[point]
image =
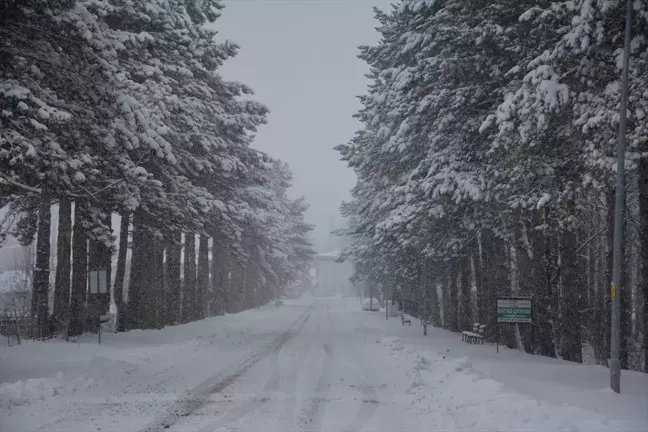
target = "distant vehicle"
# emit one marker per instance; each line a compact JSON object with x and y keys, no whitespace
{"x":369,"y":304}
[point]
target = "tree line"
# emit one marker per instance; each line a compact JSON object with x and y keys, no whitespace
{"x":486,"y":166}
{"x":117,"y":109}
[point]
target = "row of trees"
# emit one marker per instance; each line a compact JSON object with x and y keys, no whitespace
{"x":117,"y":108}
{"x":486,"y":164}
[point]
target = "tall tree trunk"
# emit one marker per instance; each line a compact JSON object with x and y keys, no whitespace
{"x":431,"y":294}
{"x":40,"y":288}
{"x":489,"y":283}
{"x":643,"y":235}
{"x":625,"y":297}
{"x":256,"y":293}
{"x":79,"y":272}
{"x":95,"y":299}
{"x":242,"y":278}
{"x":594,"y":284}
{"x":202,"y":283}
{"x":421,"y":287}
{"x":524,"y":262}
{"x":174,"y":288}
{"x":465,"y":311}
{"x":495,"y":259}
{"x":246,"y":274}
{"x":504,"y":289}
{"x":107,"y":262}
{"x":157,"y":287}
{"x":136,"y":291}
{"x":189,"y":278}
{"x":226,"y":269}
{"x":236,"y":285}
{"x":445,"y":301}
{"x":249,"y":274}
{"x":571,"y":346}
{"x":609,"y":258}
{"x":217,"y":279}
{"x":63,"y":266}
{"x":601,"y":288}
{"x":475,"y":250}
{"x":453,"y":299}
{"x":541,"y":283}
{"x":120,"y":273}
{"x":241,"y":286}
{"x":149,"y":279}
{"x":99,"y":267}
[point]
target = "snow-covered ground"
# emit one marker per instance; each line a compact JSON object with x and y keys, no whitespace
{"x":310,"y":365}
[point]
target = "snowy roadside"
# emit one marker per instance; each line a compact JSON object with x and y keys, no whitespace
{"x":453,"y":396}
{"x":131,"y":378}
{"x":556,"y":387}
{"x":553,"y":381}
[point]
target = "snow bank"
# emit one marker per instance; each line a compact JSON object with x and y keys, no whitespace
{"x":453,"y":396}
{"x":23,"y":392}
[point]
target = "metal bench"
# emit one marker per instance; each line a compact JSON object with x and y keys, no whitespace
{"x":475,"y":336}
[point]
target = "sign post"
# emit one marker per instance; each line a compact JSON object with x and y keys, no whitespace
{"x":514,"y":310}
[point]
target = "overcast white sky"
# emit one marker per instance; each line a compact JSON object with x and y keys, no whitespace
{"x":300,"y":57}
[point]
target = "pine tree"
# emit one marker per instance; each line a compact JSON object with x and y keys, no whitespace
{"x":486,"y":128}
{"x":153,"y":131}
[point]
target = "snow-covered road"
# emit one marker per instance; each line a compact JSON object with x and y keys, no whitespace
{"x":314,"y":365}
{"x":329,"y":375}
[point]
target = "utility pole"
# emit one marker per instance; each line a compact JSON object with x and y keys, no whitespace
{"x":617,"y":259}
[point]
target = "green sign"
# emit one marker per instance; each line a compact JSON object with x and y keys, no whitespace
{"x":514,"y":310}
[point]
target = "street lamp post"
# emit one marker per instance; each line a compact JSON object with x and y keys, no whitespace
{"x":617,"y":259}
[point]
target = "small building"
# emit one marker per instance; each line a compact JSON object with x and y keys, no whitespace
{"x":332,"y":277}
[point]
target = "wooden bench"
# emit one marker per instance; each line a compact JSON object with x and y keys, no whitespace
{"x":474,"y":336}
{"x":405,"y":321}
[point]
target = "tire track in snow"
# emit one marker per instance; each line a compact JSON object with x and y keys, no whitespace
{"x":250,"y":405}
{"x":287,"y":421}
{"x":286,"y":412}
{"x":197,"y":397}
{"x":367,"y":409}
{"x":368,"y":396}
{"x":312,"y":417}
{"x":369,"y":404}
